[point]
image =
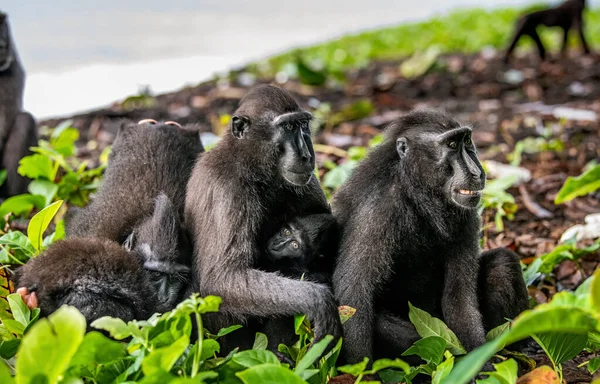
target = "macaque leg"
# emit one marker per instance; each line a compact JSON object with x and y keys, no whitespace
{"x":536,"y":39}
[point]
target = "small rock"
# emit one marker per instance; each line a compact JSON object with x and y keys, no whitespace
{"x":513,"y":76}
{"x":577,"y":89}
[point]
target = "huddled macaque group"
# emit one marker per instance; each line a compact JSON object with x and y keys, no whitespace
{"x":249,"y":222}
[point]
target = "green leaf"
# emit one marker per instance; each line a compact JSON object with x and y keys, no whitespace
{"x":39,"y":223}
{"x":595,"y":290}
{"x":209,"y":304}
{"x":309,"y":76}
{"x":560,"y":346}
{"x":389,"y":363}
{"x":97,"y":349}
{"x":255,"y":357}
{"x":443,"y":369}
{"x":5,"y":376}
{"x":2,"y":176}
{"x":20,"y":311}
{"x":209,"y":348}
{"x":593,"y":365}
{"x":498,"y":331}
{"x":313,"y":354}
{"x":8,"y":348}
{"x":260,"y":341}
{"x":64,"y":142}
{"x":269,"y":374}
{"x":115,"y":327}
{"x":587,"y":182}
{"x":14,"y":326}
{"x":51,"y":343}
{"x":44,"y":188}
{"x":36,"y":167}
{"x":228,"y":330}
{"x":21,"y":205}
{"x":163,"y":359}
{"x":18,"y":241}
{"x":428,"y":325}
{"x":338,"y":176}
{"x":355,"y":369}
{"x":506,"y":373}
{"x":430,"y":349}
{"x":419,"y":63}
{"x":544,"y":318}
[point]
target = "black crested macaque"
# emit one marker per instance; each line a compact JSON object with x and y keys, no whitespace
{"x":138,"y":208}
{"x":305,"y":248}
{"x":17,"y":128}
{"x":97,"y":276}
{"x":256,"y":179}
{"x":410,"y":233}
{"x":567,"y":15}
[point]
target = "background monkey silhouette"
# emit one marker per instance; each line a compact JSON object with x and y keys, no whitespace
{"x":17,"y":128}
{"x":566,"y":16}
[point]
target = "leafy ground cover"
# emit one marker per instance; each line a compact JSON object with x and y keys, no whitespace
{"x":536,"y":128}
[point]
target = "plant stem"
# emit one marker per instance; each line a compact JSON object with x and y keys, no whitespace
{"x":198,"y":352}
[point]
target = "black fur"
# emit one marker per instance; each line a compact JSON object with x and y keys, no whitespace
{"x":409,"y":234}
{"x":17,"y":128}
{"x":566,"y":16}
{"x":140,"y":204}
{"x":97,"y":276}
{"x":257,"y":178}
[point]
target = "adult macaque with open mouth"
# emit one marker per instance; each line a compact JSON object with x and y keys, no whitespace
{"x":410,"y":233}
{"x":17,"y":128}
{"x":258,"y":177}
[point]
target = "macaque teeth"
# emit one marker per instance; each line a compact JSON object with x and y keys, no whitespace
{"x":468,"y":192}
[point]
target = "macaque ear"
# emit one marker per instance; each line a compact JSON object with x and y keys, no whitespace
{"x":402,"y":147}
{"x":239,"y":126}
{"x":129,"y":243}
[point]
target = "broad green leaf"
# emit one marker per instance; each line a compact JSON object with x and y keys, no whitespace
{"x":44,"y":188}
{"x":544,"y":318}
{"x":60,"y":128}
{"x":443,"y":369}
{"x":39,"y":223}
{"x":20,"y":311}
{"x":5,"y":376}
{"x":498,"y":331}
{"x":9,"y":348}
{"x":338,"y":176}
{"x":97,"y":349}
{"x":380,"y":364}
{"x":49,"y":346}
{"x":309,"y":76}
{"x":163,"y":359}
{"x":14,"y":326}
{"x":587,"y":182}
{"x":228,"y":330}
{"x":64,"y":143}
{"x":506,"y":373}
{"x":560,"y":346}
{"x":16,"y":240}
{"x":355,"y":369}
{"x":117,"y":328}
{"x":269,"y":374}
{"x":209,"y":348}
{"x":428,"y":325}
{"x":430,"y":349}
{"x":21,"y":205}
{"x":209,"y":304}
{"x":2,"y":176}
{"x":313,"y":354}
{"x":251,"y":358}
{"x":420,"y":62}
{"x":36,"y":166}
{"x":260,"y":341}
{"x":593,"y":365}
{"x":595,"y":291}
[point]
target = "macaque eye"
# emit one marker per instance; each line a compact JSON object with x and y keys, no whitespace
{"x":468,"y":141}
{"x":287,"y":232}
{"x":288,"y":127}
{"x":295,"y":244}
{"x":453,"y":144}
